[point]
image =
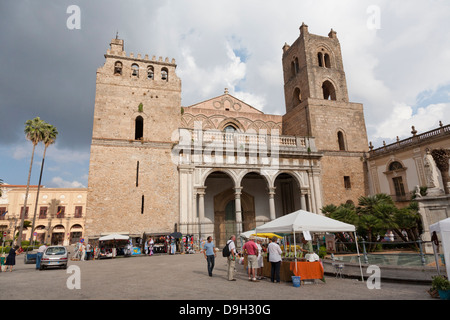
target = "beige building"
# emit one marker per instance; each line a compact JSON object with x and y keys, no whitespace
{"x":397,"y":169}
{"x":220,"y":167}
{"x":60,"y":213}
{"x":402,"y":168}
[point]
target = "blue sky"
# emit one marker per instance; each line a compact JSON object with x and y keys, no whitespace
{"x":396,"y":59}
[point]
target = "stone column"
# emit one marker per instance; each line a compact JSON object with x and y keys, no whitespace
{"x":272,"y":203}
{"x":194,"y":212}
{"x":201,"y":203}
{"x":303,"y":199}
{"x":237,"y":198}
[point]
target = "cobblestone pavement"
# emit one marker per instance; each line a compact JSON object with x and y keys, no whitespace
{"x":181,"y":277}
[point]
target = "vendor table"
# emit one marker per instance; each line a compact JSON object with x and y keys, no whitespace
{"x":307,"y":270}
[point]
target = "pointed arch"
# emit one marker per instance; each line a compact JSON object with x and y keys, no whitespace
{"x":328,"y":90}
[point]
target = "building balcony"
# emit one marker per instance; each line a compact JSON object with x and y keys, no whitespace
{"x":204,"y":146}
{"x":415,"y":140}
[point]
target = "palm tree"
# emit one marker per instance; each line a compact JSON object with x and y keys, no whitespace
{"x":34,"y":131}
{"x":376,"y":215}
{"x":49,"y":138}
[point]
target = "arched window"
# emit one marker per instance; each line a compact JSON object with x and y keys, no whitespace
{"x":135,"y":70}
{"x":164,"y":74}
{"x":297,"y":96}
{"x":329,"y":93}
{"x":139,"y":128}
{"x":324,"y":59}
{"x":341,"y":141}
{"x":150,"y":73}
{"x":327,"y":60}
{"x":230,"y":128}
{"x":118,"y":68}
{"x":395,"y":166}
{"x":319,"y":58}
{"x":297,"y":67}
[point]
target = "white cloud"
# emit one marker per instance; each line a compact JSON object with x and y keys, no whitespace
{"x":388,"y":70}
{"x":400,"y":121}
{"x":21,"y":152}
{"x":58,"y":182}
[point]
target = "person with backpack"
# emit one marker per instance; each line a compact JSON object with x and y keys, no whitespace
{"x":230,"y":252}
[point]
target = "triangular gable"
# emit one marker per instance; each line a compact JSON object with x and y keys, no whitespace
{"x":226,"y":102}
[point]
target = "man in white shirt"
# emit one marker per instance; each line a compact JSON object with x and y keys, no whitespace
{"x":231,"y":259}
{"x":275,"y":260}
{"x":39,"y":255}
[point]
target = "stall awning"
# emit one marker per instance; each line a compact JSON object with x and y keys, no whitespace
{"x":302,"y":220}
{"x":114,"y":237}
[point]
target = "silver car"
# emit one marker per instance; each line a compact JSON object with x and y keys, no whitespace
{"x":54,"y":256}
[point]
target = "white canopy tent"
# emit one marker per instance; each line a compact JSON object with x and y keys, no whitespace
{"x":301,"y":220}
{"x":443,"y":227}
{"x":113,"y":237}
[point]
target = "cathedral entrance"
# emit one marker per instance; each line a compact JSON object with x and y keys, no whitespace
{"x":230,"y":219}
{"x":225,"y":222}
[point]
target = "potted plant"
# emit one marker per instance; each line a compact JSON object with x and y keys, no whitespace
{"x":442,"y":286}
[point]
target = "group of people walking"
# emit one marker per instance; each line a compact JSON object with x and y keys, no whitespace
{"x":255,"y":260}
{"x":84,"y":251}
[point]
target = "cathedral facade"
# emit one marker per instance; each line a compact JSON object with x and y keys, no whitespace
{"x":220,"y":167}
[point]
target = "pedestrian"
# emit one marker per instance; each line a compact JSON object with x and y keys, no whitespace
{"x":76,"y":255}
{"x":274,"y":251}
{"x":260,"y":260}
{"x":251,"y":250}
{"x":150,"y":246}
{"x":83,"y":252}
{"x":88,"y":251}
{"x":210,"y":254}
{"x":39,"y":255}
{"x":11,"y":258}
{"x":146,"y":247}
{"x":231,"y":259}
{"x":95,"y":253}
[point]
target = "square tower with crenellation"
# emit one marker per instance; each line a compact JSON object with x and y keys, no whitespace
{"x":317,"y":105}
{"x":137,"y":110}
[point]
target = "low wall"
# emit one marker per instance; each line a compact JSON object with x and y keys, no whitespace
{"x":393,"y":273}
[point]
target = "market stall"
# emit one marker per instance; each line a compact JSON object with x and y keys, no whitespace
{"x":154,"y":242}
{"x":306,"y":222}
{"x":113,"y":245}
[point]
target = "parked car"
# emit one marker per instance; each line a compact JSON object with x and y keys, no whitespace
{"x":54,"y":256}
{"x":30,"y":257}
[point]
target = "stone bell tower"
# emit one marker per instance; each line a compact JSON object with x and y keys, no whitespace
{"x":317,"y":105}
{"x":133,"y":183}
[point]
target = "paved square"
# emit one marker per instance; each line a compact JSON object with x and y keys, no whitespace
{"x":181,"y":277}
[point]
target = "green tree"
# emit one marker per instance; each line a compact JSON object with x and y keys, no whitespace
{"x":34,"y":131}
{"x":49,"y":137}
{"x":409,"y":219}
{"x":376,"y":214}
